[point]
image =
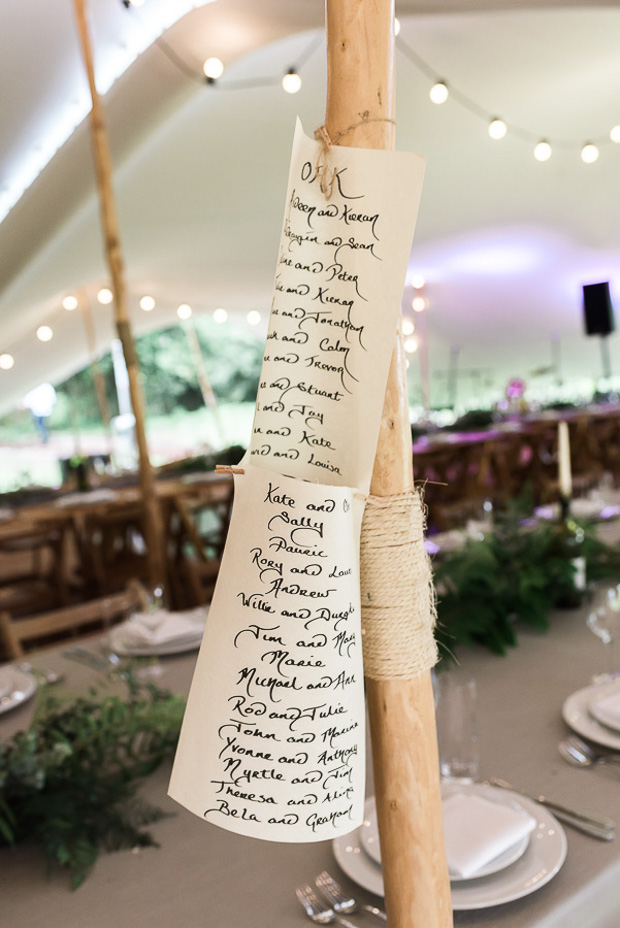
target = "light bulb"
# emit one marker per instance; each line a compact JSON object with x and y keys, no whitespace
{"x":614,"y":135}
{"x":408,"y":327}
{"x":6,"y":362}
{"x":418,"y":304}
{"x":213,"y":68}
{"x":44,"y":333}
{"x":105,"y":296}
{"x":411,"y":345}
{"x":396,"y":25}
{"x":184,"y":311}
{"x":439,"y":92}
{"x":220,"y":315}
{"x":253,"y":317}
{"x":417,"y":282}
{"x":147,"y":303}
{"x":497,"y":129}
{"x":291,"y":82}
{"x":542,"y":151}
{"x":70,"y":302}
{"x":589,"y":153}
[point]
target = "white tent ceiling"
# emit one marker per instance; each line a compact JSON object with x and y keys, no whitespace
{"x":504,"y":242}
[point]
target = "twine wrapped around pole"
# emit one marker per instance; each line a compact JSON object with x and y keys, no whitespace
{"x":360,"y":111}
{"x":398,"y":603}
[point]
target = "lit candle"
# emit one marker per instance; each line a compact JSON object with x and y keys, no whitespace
{"x":564,"y":471}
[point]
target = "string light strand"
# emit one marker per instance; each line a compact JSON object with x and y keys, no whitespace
{"x":491,"y":116}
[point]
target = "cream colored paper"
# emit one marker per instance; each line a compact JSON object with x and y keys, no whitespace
{"x":338,"y":286}
{"x":272,"y":744}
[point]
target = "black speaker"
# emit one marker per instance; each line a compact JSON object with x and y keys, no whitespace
{"x":597,"y":309}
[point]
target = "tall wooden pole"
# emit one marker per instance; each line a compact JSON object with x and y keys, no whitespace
{"x":101,"y":150}
{"x":360,"y":54}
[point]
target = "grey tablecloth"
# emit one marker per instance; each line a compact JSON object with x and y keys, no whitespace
{"x":204,"y":877}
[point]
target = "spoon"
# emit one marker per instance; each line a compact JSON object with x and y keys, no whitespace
{"x":580,"y":754}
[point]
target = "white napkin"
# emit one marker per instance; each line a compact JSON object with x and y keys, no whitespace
{"x":586,"y":508}
{"x":477,"y":830}
{"x":606,"y":709}
{"x":451,"y":540}
{"x":160,"y":627}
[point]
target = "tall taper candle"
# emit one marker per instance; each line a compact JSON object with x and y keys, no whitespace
{"x":564,"y":470}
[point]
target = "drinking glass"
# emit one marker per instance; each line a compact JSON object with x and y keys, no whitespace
{"x":457,"y":730}
{"x":604,"y":622}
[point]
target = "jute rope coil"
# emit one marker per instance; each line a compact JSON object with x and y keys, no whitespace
{"x":398,"y":602}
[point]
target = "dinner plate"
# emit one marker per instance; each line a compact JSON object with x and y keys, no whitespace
{"x":16,"y":686}
{"x":369,"y":832}
{"x":542,"y":859}
{"x":576,"y":713}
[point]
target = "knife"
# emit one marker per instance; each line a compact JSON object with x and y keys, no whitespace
{"x":84,"y":656}
{"x":595,"y":825}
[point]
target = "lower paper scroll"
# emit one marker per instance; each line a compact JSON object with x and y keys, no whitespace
{"x":272,"y":744}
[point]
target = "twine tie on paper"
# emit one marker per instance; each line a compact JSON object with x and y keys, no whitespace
{"x":398,"y":602}
{"x":326,"y":177}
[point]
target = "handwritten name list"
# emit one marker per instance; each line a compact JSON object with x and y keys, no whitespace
{"x":272,"y":743}
{"x":338,"y":286}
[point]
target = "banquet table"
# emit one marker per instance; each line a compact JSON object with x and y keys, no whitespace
{"x":205,"y":877}
{"x":91,"y":521}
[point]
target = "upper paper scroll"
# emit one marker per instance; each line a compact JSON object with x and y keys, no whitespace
{"x":337,"y":294}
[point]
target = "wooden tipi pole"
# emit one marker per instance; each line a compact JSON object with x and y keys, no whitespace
{"x":360,"y":112}
{"x":101,"y":150}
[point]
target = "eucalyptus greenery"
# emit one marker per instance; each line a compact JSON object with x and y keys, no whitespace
{"x":512,"y":575}
{"x":69,"y":782}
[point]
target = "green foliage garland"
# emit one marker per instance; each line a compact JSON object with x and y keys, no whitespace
{"x":510,"y":576}
{"x":69,"y":783}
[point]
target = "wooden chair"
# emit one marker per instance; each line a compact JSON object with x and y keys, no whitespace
{"x":197,"y":529}
{"x":586,"y":455}
{"x":34,"y":565}
{"x":607,"y":432}
{"x":457,"y":480}
{"x":17,"y":634}
{"x":113,"y":550}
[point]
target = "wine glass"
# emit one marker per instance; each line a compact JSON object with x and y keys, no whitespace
{"x":604,"y":622}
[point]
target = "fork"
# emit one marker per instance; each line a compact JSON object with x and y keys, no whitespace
{"x":340,"y":902}
{"x":317,"y":911}
{"x":595,"y":754}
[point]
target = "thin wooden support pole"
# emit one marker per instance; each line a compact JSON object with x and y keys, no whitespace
{"x":98,"y":379}
{"x":153,"y":529}
{"x":206,"y":389}
{"x":360,"y":53}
